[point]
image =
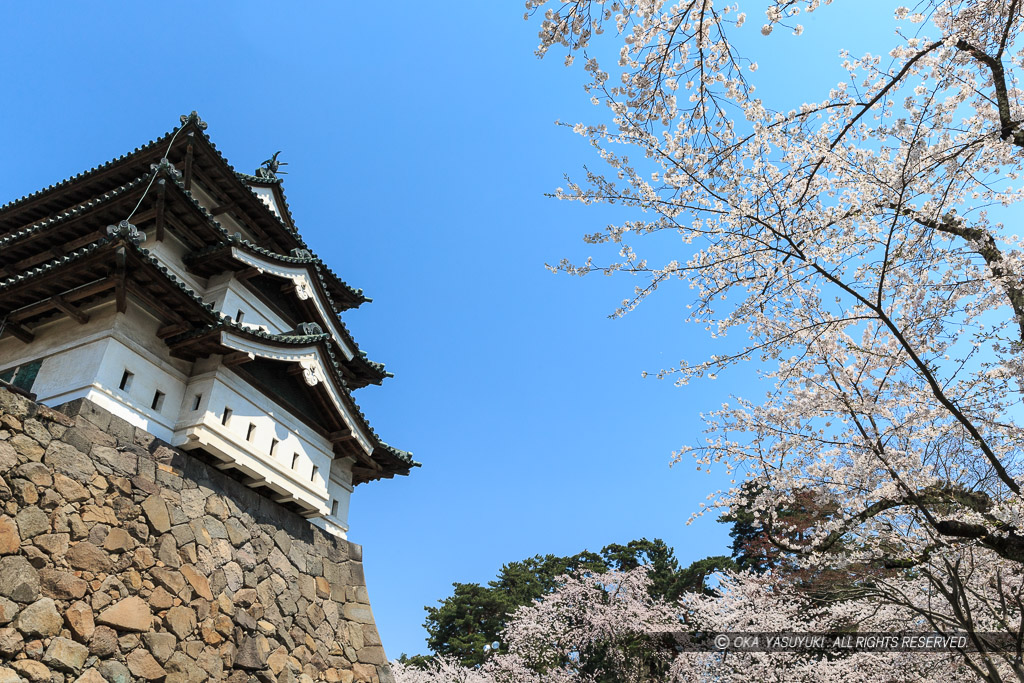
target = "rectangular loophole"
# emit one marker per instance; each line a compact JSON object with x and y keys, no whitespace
{"x":251,"y":431}
{"x":239,"y":316}
{"x":227,"y":416}
{"x":334,"y":508}
{"x":316,"y":471}
{"x":196,"y":401}
{"x":126,"y":381}
{"x":273,"y":446}
{"x":158,"y":400}
{"x":295,"y":460}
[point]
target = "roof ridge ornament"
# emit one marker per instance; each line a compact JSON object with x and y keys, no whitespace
{"x":309,"y":329}
{"x":193,"y":116}
{"x":165,"y":165}
{"x":126,"y":230}
{"x":271,"y":167}
{"x":302,"y":253}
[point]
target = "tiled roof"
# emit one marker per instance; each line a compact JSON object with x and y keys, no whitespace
{"x":218,"y":320}
{"x":96,"y":246}
{"x":222,"y":322}
{"x":316,"y":266}
{"x":73,"y":211}
{"x":84,"y":174}
{"x":302,"y":340}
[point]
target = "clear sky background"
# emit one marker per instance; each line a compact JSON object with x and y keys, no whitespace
{"x":420,"y":143}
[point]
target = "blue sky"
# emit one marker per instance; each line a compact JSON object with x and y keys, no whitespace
{"x":420,"y":143}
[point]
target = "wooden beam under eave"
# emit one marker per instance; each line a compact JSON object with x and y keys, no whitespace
{"x":74,"y":295}
{"x":120,"y":280}
{"x":238,"y":358}
{"x":153,"y":301}
{"x":172,"y":330}
{"x":73,"y":311}
{"x":19,"y":332}
{"x":189,"y":156}
{"x":223,"y":208}
{"x":247,"y":273}
{"x":340,"y":437}
{"x":161,"y":198}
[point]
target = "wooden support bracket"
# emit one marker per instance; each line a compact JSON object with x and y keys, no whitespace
{"x":74,"y":311}
{"x":20,"y":332}
{"x":238,"y":358}
{"x":171,"y":330}
{"x":189,"y":154}
{"x":161,"y":199}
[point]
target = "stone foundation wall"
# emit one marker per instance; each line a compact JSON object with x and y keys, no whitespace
{"x":123,"y":559}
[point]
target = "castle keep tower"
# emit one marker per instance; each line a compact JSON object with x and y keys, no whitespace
{"x":176,"y":294}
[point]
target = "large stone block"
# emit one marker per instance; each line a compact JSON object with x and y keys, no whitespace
{"x":130,"y":614}
{"x":20,"y":579}
{"x":40,"y":619}
{"x":162,"y":568}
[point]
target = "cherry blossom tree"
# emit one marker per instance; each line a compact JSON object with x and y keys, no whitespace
{"x":856,"y":243}
{"x":606,"y":627}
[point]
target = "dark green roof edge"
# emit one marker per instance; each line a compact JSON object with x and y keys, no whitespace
{"x":96,"y":246}
{"x":223,"y":321}
{"x":73,"y":211}
{"x":79,"y":176}
{"x":236,"y":240}
{"x":250,"y":178}
{"x":227,"y":323}
{"x":287,"y":258}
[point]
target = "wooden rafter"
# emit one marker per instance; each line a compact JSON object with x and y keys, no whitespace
{"x":171,"y":330}
{"x":224,"y":208}
{"x":161,"y":199}
{"x":120,"y":295}
{"x":238,"y":358}
{"x":189,"y":158}
{"x":73,"y":311}
{"x":19,"y":332}
{"x":70,"y":296}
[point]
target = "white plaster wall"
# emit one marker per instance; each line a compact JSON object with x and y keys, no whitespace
{"x":230,"y":296}
{"x":170,"y":253}
{"x":225,"y":220}
{"x":134,"y":403}
{"x":266,"y":195}
{"x":203,"y":427}
{"x":300,"y":276}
